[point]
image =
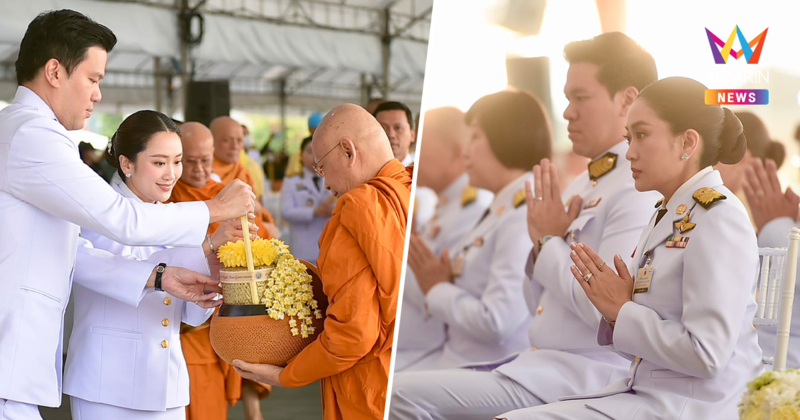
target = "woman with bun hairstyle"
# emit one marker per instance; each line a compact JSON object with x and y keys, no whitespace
{"x":125,"y":362}
{"x":682,"y":313}
{"x":760,"y":146}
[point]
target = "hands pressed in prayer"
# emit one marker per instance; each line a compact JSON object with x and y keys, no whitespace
{"x":268,"y":374}
{"x":546,"y":213}
{"x":764,"y":195}
{"x":189,"y":286}
{"x":607,"y":290}
{"x":428,"y":269}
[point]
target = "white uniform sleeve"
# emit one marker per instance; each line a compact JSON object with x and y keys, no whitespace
{"x":621,"y":229}
{"x":45,"y":170}
{"x":719,"y":267}
{"x":291,"y":209}
{"x":501,"y":308}
{"x":776,"y":232}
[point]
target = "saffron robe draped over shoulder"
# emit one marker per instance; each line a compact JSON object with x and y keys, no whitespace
{"x":183,"y":192}
{"x":360,"y":261}
{"x":213,"y":384}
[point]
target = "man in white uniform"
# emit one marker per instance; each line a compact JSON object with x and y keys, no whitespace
{"x":604,"y":210}
{"x":47,"y":193}
{"x":459,"y":208}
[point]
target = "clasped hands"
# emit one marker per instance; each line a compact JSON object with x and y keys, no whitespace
{"x":606,"y":289}
{"x":546,"y":212}
{"x":764,"y":195}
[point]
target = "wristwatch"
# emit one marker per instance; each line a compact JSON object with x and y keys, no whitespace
{"x":159,"y":271}
{"x":544,"y":239}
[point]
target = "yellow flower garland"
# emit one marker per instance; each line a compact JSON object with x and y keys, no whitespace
{"x":288,"y":290}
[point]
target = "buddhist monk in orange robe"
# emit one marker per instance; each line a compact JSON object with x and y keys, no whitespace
{"x":228,"y":146}
{"x":361,"y":255}
{"x":213,"y":384}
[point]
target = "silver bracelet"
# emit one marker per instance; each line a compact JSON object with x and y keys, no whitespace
{"x":210,"y":245}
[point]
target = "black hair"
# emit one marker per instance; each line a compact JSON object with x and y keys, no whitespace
{"x":622,"y":61}
{"x":396,"y":106}
{"x":65,"y":35}
{"x":133,"y":135}
{"x":680,"y":102}
{"x":516,"y":126}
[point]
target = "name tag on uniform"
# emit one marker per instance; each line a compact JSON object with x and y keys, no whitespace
{"x":642,"y":284}
{"x":458,"y":266}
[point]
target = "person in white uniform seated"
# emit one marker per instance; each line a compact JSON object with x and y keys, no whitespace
{"x":476,"y":288}
{"x":682,"y":313}
{"x":774,"y":212}
{"x":125,"y":361}
{"x":460,"y":206}
{"x":600,"y":207}
{"x":307,"y":205}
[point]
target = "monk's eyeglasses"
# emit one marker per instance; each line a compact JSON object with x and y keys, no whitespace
{"x":318,"y":167}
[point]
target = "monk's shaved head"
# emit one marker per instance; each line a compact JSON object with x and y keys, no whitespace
{"x":441,"y":152}
{"x":198,"y":154}
{"x":357,"y":144}
{"x":228,"y":139}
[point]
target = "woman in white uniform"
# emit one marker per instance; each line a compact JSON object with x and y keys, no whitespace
{"x":476,"y":288}
{"x":125,"y":362}
{"x":685,"y":320}
{"x":307,"y":205}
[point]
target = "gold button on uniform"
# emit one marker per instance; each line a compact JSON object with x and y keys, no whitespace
{"x":534,"y":348}
{"x":164,"y":344}
{"x":638,"y":359}
{"x":539,"y":310}
{"x":167,"y":301}
{"x":165,"y":322}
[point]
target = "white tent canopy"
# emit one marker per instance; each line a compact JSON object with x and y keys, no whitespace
{"x":312,"y":53}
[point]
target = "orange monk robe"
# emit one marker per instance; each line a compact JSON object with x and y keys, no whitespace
{"x":213,"y":384}
{"x":361,"y":255}
{"x":183,"y":192}
{"x":229,"y":171}
{"x":256,"y":172}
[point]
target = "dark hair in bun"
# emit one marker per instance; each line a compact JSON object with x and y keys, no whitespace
{"x":758,"y":141}
{"x":134,"y":133}
{"x":680,"y":102}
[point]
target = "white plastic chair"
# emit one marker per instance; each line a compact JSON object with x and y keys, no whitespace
{"x":775,"y":294}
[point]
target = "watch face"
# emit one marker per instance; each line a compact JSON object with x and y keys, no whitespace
{"x":160,"y":269}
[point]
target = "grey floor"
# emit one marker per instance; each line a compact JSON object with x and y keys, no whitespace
{"x":300,"y":403}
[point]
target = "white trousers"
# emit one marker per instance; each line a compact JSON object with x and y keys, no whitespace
{"x":564,"y":410}
{"x":456,"y":394}
{"x":13,"y":410}
{"x":87,"y":410}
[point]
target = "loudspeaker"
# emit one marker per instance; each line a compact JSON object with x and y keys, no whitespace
{"x":206,"y":100}
{"x":531,"y":74}
{"x":521,"y":16}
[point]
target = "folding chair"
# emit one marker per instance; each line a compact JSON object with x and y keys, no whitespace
{"x":775,"y":294}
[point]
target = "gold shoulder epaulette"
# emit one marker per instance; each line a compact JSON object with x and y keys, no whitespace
{"x":659,"y":202}
{"x":707,"y":196}
{"x":602,"y":166}
{"x":468,"y":195}
{"x":519,"y":198}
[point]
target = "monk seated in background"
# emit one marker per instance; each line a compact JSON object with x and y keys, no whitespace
{"x":228,"y":137}
{"x":213,"y":384}
{"x":361,"y":255}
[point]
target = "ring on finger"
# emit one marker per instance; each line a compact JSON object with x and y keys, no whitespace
{"x":759,"y":193}
{"x":539,"y":199}
{"x":603,"y":263}
{"x":587,"y":277}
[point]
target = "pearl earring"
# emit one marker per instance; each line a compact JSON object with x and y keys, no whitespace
{"x":684,"y":157}
{"x":129,"y":175}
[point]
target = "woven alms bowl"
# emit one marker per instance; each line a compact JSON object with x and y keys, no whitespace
{"x":245,"y":332}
